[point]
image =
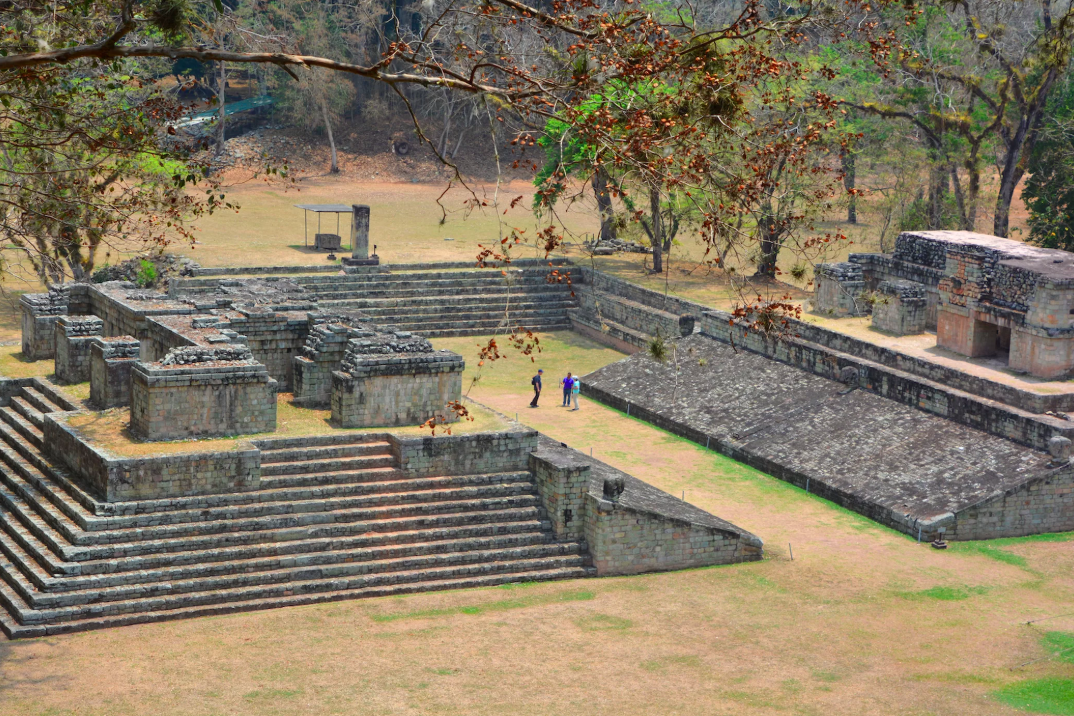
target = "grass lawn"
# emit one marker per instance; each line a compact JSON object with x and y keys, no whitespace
{"x":863,"y":621}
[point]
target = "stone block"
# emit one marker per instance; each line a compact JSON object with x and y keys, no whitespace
{"x":74,"y":335}
{"x":900,"y":308}
{"x":111,"y":362}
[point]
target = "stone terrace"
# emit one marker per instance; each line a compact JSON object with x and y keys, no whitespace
{"x":895,"y":464}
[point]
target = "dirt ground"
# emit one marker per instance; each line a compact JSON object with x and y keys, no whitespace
{"x":862,"y":621}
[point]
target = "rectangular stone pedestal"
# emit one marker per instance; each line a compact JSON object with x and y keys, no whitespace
{"x":74,"y":336}
{"x":387,"y":390}
{"x":111,"y":362}
{"x":206,"y":400}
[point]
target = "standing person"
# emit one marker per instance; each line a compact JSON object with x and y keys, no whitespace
{"x":568,"y":383}
{"x":576,"y":388}
{"x":536,"y":383}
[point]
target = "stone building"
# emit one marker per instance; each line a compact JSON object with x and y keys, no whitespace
{"x":984,"y":295}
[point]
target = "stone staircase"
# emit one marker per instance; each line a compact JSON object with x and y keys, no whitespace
{"x":442,"y":303}
{"x":334,"y":519}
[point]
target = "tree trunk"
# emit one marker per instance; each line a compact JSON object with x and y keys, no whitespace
{"x":960,"y":200}
{"x":334,"y":169}
{"x":604,"y":204}
{"x":222,"y":85}
{"x":657,"y":237}
{"x":769,"y":244}
{"x":849,"y":183}
{"x":937,"y":194}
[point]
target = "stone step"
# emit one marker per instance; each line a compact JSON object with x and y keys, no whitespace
{"x":22,"y":426}
{"x":25,"y":614}
{"x":22,"y":407}
{"x":491,"y":324}
{"x":483,"y":329}
{"x":421,"y":290}
{"x":362,"y":462}
{"x":388,"y":507}
{"x":54,"y":395}
{"x":292,"y":501}
{"x":339,"y":477}
{"x":359,"y":565}
{"x":340,"y":438}
{"x":39,"y":400}
{"x":14,"y":627}
{"x":434,"y":301}
{"x":395,"y":316}
{"x":31,"y":483}
{"x":186,"y":565}
{"x":306,"y":454}
{"x":56,"y":556}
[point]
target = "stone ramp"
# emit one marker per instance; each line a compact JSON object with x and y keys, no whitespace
{"x":900,"y":466}
{"x":335,"y":518}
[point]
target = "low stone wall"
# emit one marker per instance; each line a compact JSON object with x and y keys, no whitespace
{"x":1045,"y":504}
{"x":113,"y":479}
{"x":399,"y":389}
{"x":217,"y":398}
{"x":625,"y":321}
{"x":74,"y":336}
{"x":632,"y":527}
{"x":474,"y":454}
{"x":980,"y":413}
{"x":600,"y":281}
{"x":111,"y":363}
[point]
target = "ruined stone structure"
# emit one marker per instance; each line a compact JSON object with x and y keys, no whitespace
{"x":900,"y":307}
{"x":74,"y":336}
{"x":984,"y":295}
{"x":111,"y":361}
{"x":91,"y":538}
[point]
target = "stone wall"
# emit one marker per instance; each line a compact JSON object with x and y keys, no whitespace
{"x":114,"y":479}
{"x":40,"y":311}
{"x":474,"y":454}
{"x":616,"y":320}
{"x":74,"y":335}
{"x":394,"y":378}
{"x":629,"y":526}
{"x":111,"y":362}
{"x":839,"y":289}
{"x":274,"y":337}
{"x":396,"y":390}
{"x":562,"y":476}
{"x":1045,"y":504}
{"x":901,"y":308}
{"x":326,"y":344}
{"x":976,"y":412}
{"x":201,"y":399}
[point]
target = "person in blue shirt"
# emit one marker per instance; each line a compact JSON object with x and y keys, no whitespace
{"x":576,"y":388}
{"x":568,"y":383}
{"x":536,"y":383}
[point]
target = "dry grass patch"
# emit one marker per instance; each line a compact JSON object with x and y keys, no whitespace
{"x":110,"y":429}
{"x":13,"y":365}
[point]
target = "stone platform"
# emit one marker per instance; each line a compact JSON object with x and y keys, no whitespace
{"x":903,"y":467}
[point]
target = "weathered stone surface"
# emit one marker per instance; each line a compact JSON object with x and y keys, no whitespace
{"x":74,"y":335}
{"x":111,"y":362}
{"x":901,"y":307}
{"x":900,"y":466}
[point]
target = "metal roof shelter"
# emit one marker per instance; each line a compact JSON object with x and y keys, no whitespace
{"x":319,"y":209}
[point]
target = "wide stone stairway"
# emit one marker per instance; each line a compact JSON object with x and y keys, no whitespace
{"x":442,"y":303}
{"x":334,"y":519}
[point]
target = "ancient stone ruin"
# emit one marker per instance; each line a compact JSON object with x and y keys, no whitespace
{"x":100,"y":531}
{"x":983,"y":295}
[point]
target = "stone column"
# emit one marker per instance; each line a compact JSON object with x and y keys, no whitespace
{"x":360,"y":232}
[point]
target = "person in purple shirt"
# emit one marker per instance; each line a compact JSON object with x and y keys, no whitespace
{"x":568,"y":383}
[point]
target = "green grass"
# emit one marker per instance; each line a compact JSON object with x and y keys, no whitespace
{"x":945,"y":594}
{"x":498,"y":606}
{"x":993,"y":548}
{"x":1061,"y":644}
{"x":1040,"y":696}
